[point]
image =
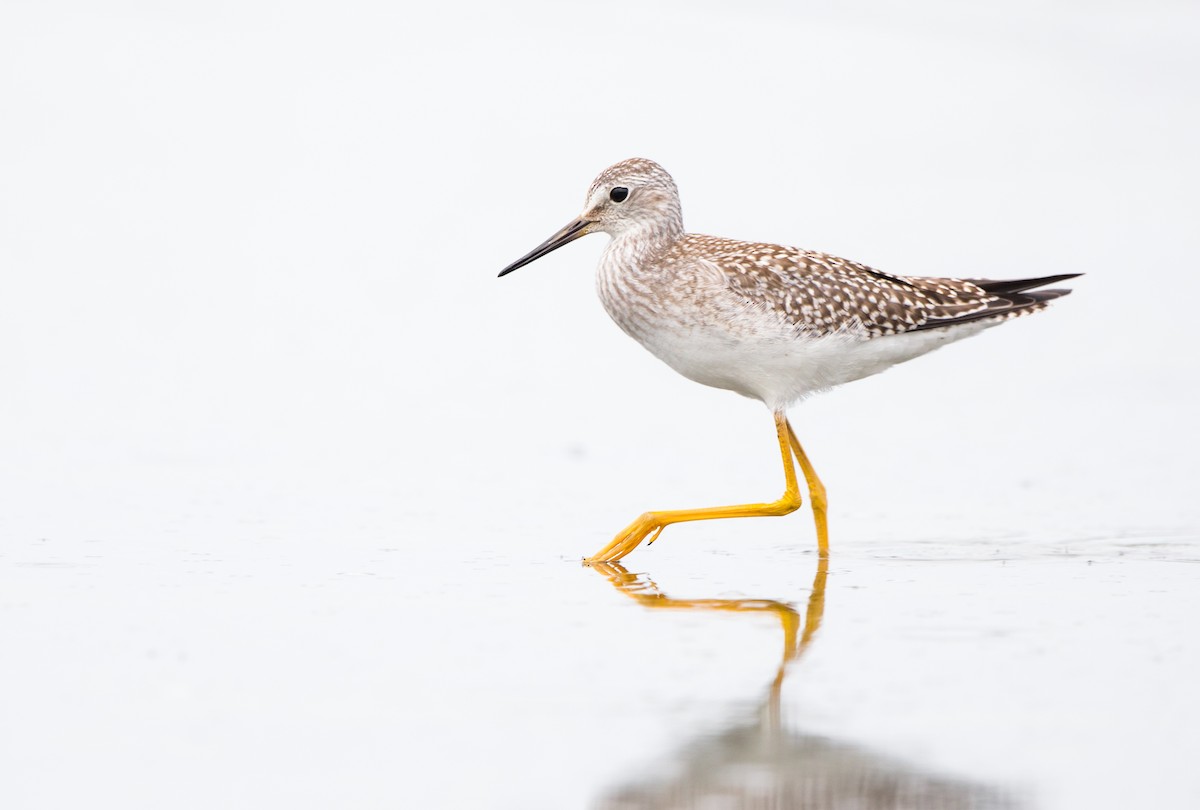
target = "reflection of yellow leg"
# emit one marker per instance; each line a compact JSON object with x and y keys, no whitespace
{"x":816,"y":605}
{"x":796,"y":638}
{"x":652,"y":523}
{"x":643,"y":589}
{"x":816,"y":492}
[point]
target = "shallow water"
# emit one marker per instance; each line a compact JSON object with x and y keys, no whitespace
{"x":300,"y":650}
{"x":294,"y":491}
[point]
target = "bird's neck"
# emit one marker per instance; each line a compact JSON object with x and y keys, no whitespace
{"x":629,"y":278}
{"x":636,"y":249}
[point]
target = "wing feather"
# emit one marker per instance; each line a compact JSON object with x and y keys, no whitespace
{"x":824,"y":294}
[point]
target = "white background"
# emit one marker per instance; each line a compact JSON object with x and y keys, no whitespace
{"x":292,"y":487}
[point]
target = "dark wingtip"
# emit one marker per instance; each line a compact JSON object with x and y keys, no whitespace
{"x":1021,"y":284}
{"x":1007,"y":302}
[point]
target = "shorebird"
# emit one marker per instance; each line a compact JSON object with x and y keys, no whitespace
{"x":772,"y":323}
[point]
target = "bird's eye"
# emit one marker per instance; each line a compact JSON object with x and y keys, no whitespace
{"x":618,"y":194}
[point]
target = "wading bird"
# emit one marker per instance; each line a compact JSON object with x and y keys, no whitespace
{"x":770,"y":322}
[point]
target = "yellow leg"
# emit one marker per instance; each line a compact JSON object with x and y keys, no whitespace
{"x":816,"y":492}
{"x":652,"y":523}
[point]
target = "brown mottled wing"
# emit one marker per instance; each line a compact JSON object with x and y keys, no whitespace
{"x":823,"y":294}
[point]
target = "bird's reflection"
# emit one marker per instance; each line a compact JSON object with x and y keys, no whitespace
{"x":758,"y":762}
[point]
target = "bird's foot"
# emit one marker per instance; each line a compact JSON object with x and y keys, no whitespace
{"x":647,"y":525}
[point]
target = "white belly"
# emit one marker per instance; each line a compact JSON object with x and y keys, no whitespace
{"x":782,"y":369}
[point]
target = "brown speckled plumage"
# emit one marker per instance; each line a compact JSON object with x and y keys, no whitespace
{"x":771,"y":322}
{"x":822,"y":294}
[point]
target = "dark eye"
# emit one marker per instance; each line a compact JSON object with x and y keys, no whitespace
{"x":618,"y":194}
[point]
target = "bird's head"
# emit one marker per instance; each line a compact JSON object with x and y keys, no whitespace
{"x":633,"y":197}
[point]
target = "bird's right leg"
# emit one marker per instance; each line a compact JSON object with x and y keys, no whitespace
{"x":816,"y":492}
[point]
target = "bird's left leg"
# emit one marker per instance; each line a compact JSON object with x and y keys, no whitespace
{"x":651,"y":524}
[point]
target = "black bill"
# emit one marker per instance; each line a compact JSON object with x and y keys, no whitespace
{"x":570,"y":233}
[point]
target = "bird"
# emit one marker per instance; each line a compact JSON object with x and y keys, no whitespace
{"x":770,"y":322}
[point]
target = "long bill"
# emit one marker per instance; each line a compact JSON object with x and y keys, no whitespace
{"x":570,"y":233}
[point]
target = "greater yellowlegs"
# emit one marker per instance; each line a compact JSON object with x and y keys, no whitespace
{"x":770,"y":322}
